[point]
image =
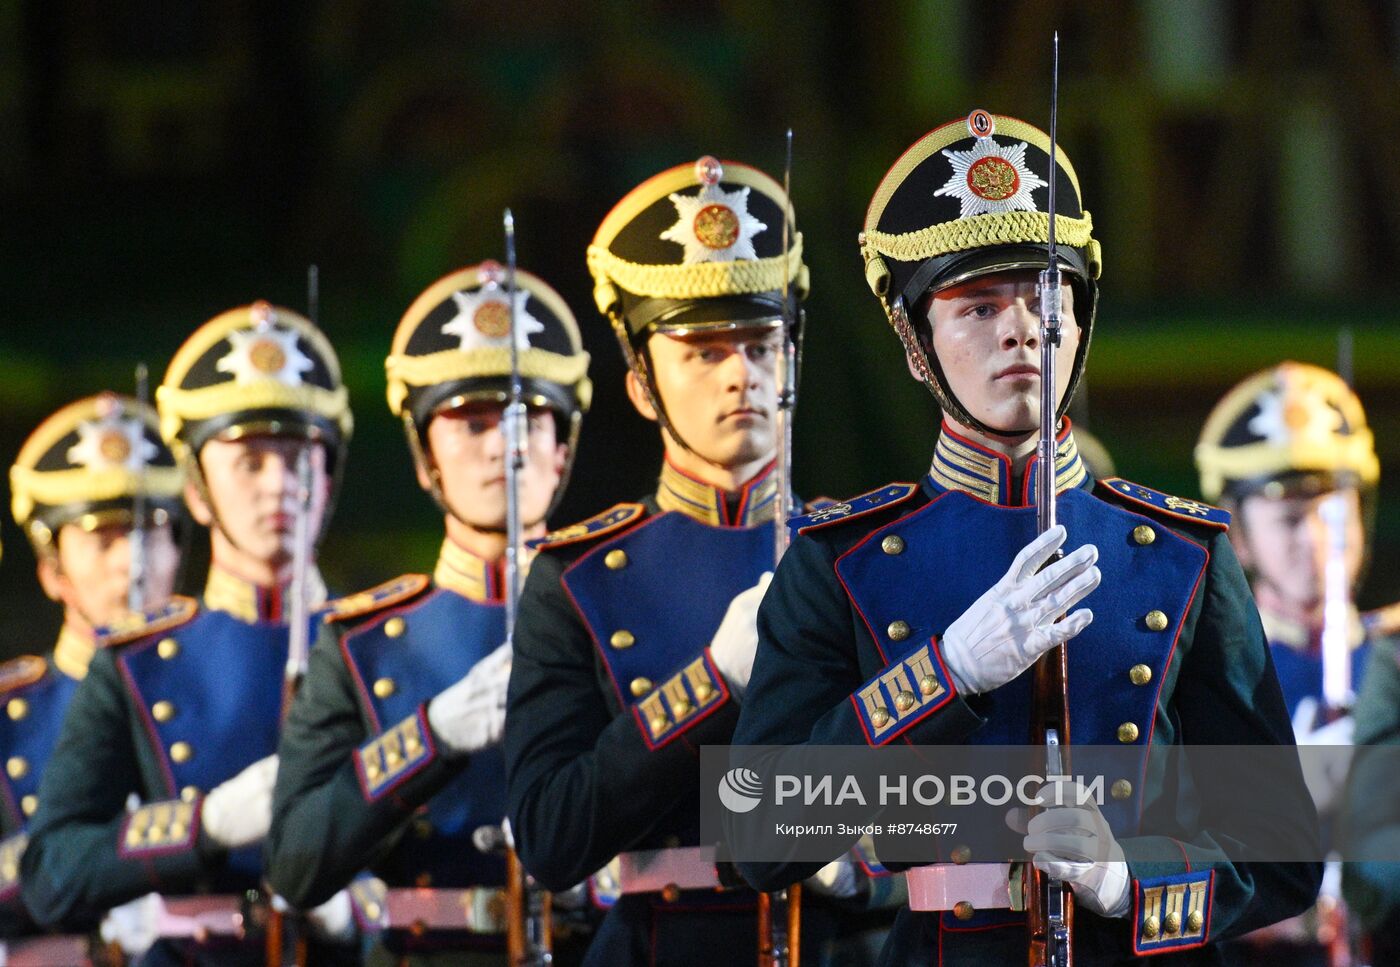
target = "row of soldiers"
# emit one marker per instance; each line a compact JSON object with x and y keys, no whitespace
{"x":159,"y":773}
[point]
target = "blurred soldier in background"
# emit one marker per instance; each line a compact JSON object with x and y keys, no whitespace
{"x":97,"y":492}
{"x":390,"y":758}
{"x":181,"y":709}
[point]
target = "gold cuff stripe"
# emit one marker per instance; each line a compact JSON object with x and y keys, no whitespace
{"x":979,"y":231}
{"x":179,"y":406}
{"x":56,"y":487}
{"x":703,"y":280}
{"x":406,"y":372}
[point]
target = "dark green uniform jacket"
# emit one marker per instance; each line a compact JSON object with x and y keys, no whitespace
{"x":1175,"y":655}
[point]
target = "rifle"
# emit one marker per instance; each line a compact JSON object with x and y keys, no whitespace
{"x":780,"y":912}
{"x":1050,"y":905}
{"x":528,"y":922}
{"x":286,"y":944}
{"x":136,"y":582}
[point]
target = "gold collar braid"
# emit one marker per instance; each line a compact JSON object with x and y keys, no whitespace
{"x":74,"y":652}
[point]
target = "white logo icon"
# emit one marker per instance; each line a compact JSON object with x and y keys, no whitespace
{"x":740,"y":790}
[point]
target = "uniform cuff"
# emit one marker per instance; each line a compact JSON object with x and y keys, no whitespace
{"x":903,"y":694}
{"x":386,"y":762}
{"x":1171,"y":913}
{"x":160,"y":829}
{"x":682,"y":702}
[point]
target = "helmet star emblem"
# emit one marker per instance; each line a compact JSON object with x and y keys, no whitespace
{"x":483,"y":319}
{"x":262,"y":353}
{"x":112,"y":443}
{"x":991,"y":179}
{"x":714,"y":225}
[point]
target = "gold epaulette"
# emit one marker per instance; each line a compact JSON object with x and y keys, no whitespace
{"x":1139,"y":497}
{"x":608,"y":522}
{"x":21,"y":671}
{"x":389,"y":593}
{"x":180,"y":610}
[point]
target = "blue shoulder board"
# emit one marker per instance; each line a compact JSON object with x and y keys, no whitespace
{"x":839,"y":511}
{"x":177,"y":612}
{"x":1137,"y":496}
{"x":608,"y":522}
{"x":375,"y":599}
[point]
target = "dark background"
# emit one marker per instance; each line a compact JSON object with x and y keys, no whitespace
{"x":163,"y":161}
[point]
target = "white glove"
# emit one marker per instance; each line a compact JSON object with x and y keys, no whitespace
{"x":239,"y":812}
{"x":1324,"y":769}
{"x":471,"y":714}
{"x":134,"y":926}
{"x":333,"y":920}
{"x":1073,"y":843}
{"x":838,"y":879}
{"x":1013,"y":623}
{"x":736,"y":641}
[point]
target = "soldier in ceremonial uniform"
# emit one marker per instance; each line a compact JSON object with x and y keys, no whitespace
{"x":81,"y":482}
{"x":912,"y":613}
{"x":636,"y":629}
{"x":390,"y":757}
{"x":181,"y":709}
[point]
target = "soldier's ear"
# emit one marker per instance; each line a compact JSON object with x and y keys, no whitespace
{"x":638,"y":395}
{"x":561,"y":458}
{"x":199,"y":508}
{"x":50,"y":576}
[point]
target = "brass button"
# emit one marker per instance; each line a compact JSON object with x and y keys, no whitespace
{"x":1194,"y":921}
{"x":168,"y":648}
{"x":1156,"y":621}
{"x":640,"y":686}
{"x":163,"y":711}
{"x":622,"y":639}
{"x":703,"y":693}
{"x":189,"y":793}
{"x":963,"y":910}
{"x":384,"y":687}
{"x":894,"y":544}
{"x":17,"y":708}
{"x":181,"y":752}
{"x":1143,"y":534}
{"x":17,"y":766}
{"x":670,"y":893}
{"x":30,"y":805}
{"x":372,"y":911}
{"x":961,"y":854}
{"x":682,"y":708}
{"x":659,"y":724}
{"x":1140,"y":674}
{"x":1151,"y":927}
{"x":904,"y":701}
{"x":1172,"y":923}
{"x":880,"y":717}
{"x":1127,"y":732}
{"x":928,"y":685}
{"x":394,"y":627}
{"x":615,"y":559}
{"x":1121,"y":789}
{"x":898,"y":630}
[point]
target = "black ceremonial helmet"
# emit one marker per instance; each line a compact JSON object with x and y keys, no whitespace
{"x":257,"y":369}
{"x":698,"y":247}
{"x":970,"y":198}
{"x":453,"y":347}
{"x":88,"y":464}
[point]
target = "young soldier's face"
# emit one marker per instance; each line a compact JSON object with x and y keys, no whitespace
{"x":252,"y":482}
{"x":468,"y":447}
{"x":1283,"y":541}
{"x":720,"y":391}
{"x":90,"y":573}
{"x":986,"y":333}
